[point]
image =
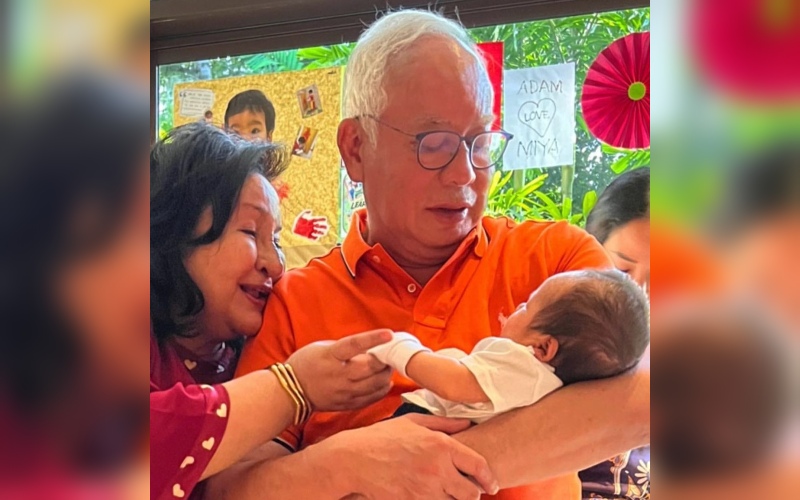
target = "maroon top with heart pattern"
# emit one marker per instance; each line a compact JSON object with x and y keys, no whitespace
{"x":188,"y":416}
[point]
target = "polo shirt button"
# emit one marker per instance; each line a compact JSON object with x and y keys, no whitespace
{"x":412,"y":288}
{"x":376,"y":259}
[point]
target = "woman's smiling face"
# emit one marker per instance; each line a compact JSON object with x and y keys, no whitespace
{"x":236,"y":272}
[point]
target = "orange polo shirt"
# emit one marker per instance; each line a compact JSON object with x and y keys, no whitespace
{"x":358,"y":287}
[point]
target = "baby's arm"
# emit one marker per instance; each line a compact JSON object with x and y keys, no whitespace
{"x":444,"y":376}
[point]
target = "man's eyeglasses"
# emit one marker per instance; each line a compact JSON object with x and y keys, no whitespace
{"x":437,"y":149}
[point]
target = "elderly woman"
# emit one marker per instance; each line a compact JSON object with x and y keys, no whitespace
{"x":621,"y":223}
{"x":215,"y":255}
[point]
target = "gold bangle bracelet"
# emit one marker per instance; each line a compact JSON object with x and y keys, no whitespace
{"x":302,"y":410}
{"x":289,"y":382}
{"x":288,"y":390}
{"x":299,"y":388}
{"x":306,"y":410}
{"x":296,"y":382}
{"x":294,"y":397}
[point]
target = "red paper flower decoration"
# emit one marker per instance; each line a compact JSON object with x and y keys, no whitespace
{"x":745,"y":47}
{"x":616,"y":93}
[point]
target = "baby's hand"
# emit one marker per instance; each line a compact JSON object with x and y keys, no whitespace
{"x":398,"y":351}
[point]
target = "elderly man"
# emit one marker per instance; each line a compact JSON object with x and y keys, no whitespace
{"x":422,"y":258}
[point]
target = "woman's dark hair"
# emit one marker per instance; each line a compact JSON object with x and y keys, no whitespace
{"x":194,"y":167}
{"x":76,"y":149}
{"x":626,"y":199}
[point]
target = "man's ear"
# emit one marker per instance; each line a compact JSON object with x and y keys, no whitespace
{"x":269,"y":135}
{"x":350,"y":138}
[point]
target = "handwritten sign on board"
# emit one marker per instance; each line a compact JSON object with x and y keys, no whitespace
{"x":539,"y":109}
{"x":195,"y":102}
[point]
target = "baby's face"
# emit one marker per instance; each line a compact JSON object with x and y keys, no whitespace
{"x":517,"y":326}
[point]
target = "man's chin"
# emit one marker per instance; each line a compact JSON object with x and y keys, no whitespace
{"x":447,"y":239}
{"x":452,"y":234}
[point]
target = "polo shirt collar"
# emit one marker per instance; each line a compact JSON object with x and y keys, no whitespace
{"x":354,"y":247}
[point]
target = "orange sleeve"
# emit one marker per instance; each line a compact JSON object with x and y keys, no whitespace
{"x":274,"y":343}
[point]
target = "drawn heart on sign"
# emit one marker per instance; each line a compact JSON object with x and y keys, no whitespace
{"x":538,"y":115}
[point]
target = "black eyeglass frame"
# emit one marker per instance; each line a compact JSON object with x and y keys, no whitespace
{"x":469,"y":141}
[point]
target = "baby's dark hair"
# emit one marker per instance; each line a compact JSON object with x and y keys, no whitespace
{"x":255,"y":101}
{"x":602,"y":324}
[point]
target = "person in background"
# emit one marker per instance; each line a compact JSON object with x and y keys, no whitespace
{"x":621,"y":223}
{"x":251,"y":115}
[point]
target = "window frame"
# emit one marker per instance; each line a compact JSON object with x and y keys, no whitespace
{"x":194,"y":30}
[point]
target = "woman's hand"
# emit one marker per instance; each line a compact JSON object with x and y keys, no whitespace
{"x":339,"y":375}
{"x":408,"y":458}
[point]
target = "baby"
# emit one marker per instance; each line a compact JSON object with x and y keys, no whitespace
{"x":576,"y":326}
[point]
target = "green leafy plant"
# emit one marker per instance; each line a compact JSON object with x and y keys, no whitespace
{"x":326,"y":56}
{"x":518,"y":204}
{"x":589,"y":201}
{"x":626,"y":159}
{"x":275,"y":62}
{"x":528,"y":202}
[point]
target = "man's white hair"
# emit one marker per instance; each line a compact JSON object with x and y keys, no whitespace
{"x":364,"y":85}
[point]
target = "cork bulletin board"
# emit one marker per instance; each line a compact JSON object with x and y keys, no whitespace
{"x":307,"y":108}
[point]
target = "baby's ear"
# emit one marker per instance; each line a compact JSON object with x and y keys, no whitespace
{"x":548,"y":348}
